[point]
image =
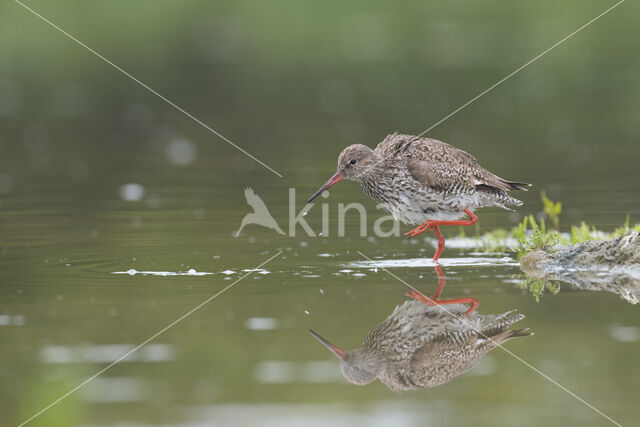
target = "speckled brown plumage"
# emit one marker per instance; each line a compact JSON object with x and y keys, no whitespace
{"x":419,"y":346}
{"x":423,"y":181}
{"x":419,"y":179}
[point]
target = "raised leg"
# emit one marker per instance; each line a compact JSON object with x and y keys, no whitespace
{"x":474,"y":303}
{"x":440,"y":243}
{"x":433,"y":225}
{"x":431,"y":302}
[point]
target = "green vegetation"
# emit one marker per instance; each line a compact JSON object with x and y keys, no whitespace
{"x":552,"y":210}
{"x":542,"y":233}
{"x":620,"y":231}
{"x":537,"y":287}
{"x":531,"y":234}
{"x":536,"y":237}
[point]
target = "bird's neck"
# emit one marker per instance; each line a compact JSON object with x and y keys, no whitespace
{"x":373,"y":173}
{"x":366,"y":358}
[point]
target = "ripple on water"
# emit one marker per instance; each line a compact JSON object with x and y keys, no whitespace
{"x":427,"y":262}
{"x":190,"y":272}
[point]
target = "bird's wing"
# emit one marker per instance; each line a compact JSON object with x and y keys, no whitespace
{"x":432,"y":364}
{"x":439,"y":165}
{"x":255,"y":201}
{"x":443,"y":355}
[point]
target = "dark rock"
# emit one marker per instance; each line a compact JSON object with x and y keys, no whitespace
{"x":608,"y":265}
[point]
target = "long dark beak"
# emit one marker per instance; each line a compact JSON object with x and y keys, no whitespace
{"x":332,"y":348}
{"x":334,"y":179}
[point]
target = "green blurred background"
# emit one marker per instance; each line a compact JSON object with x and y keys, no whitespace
{"x":293,"y":82}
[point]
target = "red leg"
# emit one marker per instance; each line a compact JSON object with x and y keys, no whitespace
{"x":419,"y":229}
{"x":421,"y":297}
{"x":433,"y":225}
{"x":431,"y":302}
{"x":442,"y":281}
{"x":440,"y":243}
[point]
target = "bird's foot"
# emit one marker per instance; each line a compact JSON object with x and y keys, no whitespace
{"x":429,"y":225}
{"x":420,"y":297}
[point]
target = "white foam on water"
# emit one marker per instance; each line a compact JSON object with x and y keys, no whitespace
{"x":257,"y":270}
{"x":428,"y":262}
{"x":191,"y":272}
{"x":478,"y":242}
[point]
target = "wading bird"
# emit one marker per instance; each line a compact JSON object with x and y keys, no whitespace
{"x":423,"y":181}
{"x":422,"y":346}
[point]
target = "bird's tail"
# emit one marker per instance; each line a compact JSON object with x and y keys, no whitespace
{"x":511,"y":333}
{"x":521,"y":186}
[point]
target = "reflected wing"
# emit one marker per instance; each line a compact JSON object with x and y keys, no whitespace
{"x":432,"y":364}
{"x":442,"y":360}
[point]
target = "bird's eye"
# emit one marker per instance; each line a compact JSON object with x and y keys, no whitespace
{"x":353,"y":162}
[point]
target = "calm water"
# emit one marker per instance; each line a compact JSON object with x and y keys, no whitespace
{"x":246,"y":356}
{"x":90,"y":267}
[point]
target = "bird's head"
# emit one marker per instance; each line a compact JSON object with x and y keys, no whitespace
{"x":355,"y":163}
{"x":354,"y":365}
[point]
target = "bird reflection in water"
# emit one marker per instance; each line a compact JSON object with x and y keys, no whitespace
{"x":424,"y":344}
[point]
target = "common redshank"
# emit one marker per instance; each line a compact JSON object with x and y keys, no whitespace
{"x":421,"y":346}
{"x":423,"y":181}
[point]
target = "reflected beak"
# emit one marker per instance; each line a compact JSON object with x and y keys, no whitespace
{"x":332,"y":348}
{"x":334,"y":179}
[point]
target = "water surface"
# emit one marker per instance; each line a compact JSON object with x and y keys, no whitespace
{"x":91,"y":266}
